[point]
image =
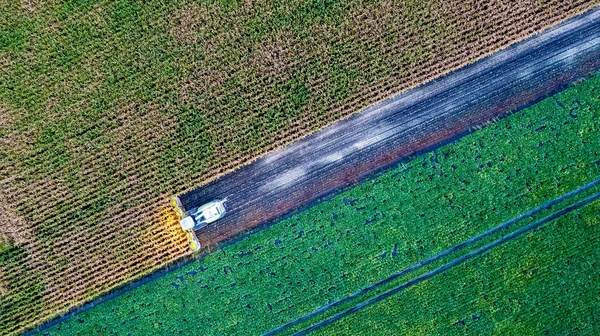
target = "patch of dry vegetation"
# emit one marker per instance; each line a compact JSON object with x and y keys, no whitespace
{"x":13,"y":228}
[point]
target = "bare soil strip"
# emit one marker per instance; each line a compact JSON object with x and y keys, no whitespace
{"x":348,"y":151}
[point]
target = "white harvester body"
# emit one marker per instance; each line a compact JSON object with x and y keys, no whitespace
{"x":198,"y":218}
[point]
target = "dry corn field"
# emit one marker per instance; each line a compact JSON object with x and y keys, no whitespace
{"x":108,"y":108}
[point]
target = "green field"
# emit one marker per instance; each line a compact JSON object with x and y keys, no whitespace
{"x":397,"y":219}
{"x":542,"y":283}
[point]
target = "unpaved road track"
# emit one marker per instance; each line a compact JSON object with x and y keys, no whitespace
{"x":442,"y":110}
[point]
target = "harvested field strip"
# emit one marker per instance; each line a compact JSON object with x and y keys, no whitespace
{"x":439,"y":256}
{"x":368,"y":233}
{"x":451,"y":264}
{"x":448,"y":107}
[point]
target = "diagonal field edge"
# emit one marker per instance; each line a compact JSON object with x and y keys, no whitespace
{"x":293,"y":185}
{"x":436,"y":257}
{"x":451,"y":264}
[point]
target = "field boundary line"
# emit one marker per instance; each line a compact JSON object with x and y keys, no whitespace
{"x":438,"y":256}
{"x":451,"y":264}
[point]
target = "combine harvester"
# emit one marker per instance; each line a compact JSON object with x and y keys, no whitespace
{"x":197,"y":218}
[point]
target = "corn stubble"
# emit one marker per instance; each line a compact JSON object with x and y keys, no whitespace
{"x":109,"y":109}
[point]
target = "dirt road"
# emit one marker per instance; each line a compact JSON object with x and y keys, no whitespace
{"x":440,"y":111}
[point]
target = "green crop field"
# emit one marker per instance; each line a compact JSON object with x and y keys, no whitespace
{"x":109,"y":107}
{"x":543,"y":280}
{"x":542,"y":283}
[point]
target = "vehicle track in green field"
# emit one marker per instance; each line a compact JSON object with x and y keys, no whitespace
{"x":450,"y":264}
{"x":439,"y":256}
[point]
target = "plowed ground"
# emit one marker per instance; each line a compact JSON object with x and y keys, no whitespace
{"x":108,"y":108}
